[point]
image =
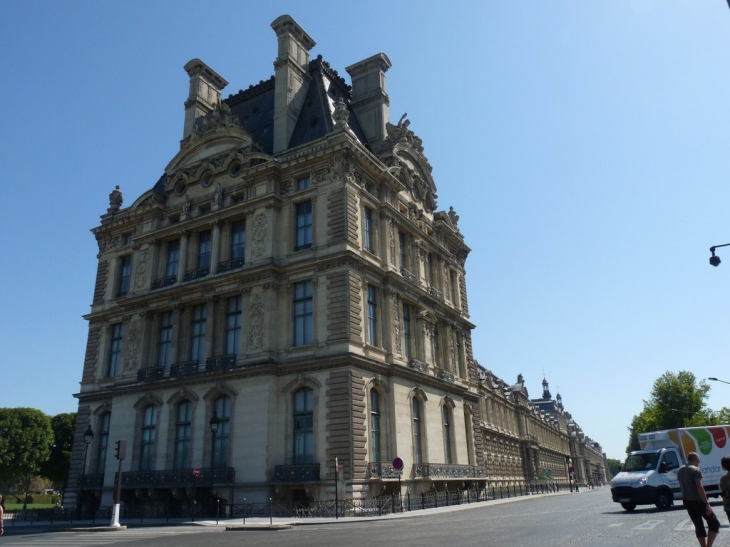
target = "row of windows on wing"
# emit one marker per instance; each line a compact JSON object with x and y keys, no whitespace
{"x":147,"y":438}
{"x":236,"y":253}
{"x":412,"y":347}
{"x":302,"y":326}
{"x":408,"y":264}
{"x":302,"y":433}
{"x":302,"y":331}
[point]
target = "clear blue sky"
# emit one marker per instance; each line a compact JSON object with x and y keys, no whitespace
{"x":584,"y":145}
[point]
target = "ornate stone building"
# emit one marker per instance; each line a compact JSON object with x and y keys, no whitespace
{"x":287,"y":302}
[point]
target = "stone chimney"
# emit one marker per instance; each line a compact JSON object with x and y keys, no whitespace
{"x":205,"y":93}
{"x":370,"y":102}
{"x":292,"y":77}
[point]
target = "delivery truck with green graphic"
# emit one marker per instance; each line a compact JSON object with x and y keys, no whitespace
{"x":649,"y":475}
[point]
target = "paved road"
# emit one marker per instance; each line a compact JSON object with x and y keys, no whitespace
{"x":585,"y":519}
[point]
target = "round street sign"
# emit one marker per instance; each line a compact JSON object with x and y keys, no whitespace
{"x":196,"y":472}
{"x":398,"y":464}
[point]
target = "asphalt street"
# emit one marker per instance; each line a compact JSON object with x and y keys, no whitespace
{"x":589,"y":518}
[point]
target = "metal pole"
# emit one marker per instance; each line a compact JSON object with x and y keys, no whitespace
{"x":244,"y":510}
{"x":83,"y":477}
{"x":271,"y":512}
{"x":217,"y":511}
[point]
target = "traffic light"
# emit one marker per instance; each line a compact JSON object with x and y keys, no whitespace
{"x":120,"y":451}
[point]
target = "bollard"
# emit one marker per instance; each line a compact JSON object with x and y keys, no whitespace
{"x":244,"y":511}
{"x":271,"y":512}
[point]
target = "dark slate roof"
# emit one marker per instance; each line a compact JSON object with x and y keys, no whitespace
{"x":254,"y":107}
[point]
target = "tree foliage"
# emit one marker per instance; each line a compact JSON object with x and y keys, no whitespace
{"x":676,"y":400}
{"x":614,"y":466}
{"x":25,"y":441}
{"x":58,"y":464}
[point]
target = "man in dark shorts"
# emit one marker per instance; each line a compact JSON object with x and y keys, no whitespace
{"x":695,"y":501}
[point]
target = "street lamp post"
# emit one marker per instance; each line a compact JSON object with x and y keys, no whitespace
{"x":718,"y":380}
{"x":88,"y":437}
{"x":214,"y":423}
{"x":715,"y":260}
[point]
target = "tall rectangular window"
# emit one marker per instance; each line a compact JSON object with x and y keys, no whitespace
{"x":304,"y":183}
{"x":375,"y":454}
{"x":173,"y":258}
{"x":447,"y":435}
{"x":233,"y":325}
{"x":429,"y":267}
{"x":238,"y":239}
{"x":402,"y":249}
{"x":407,"y":340}
{"x":417,"y":441}
{"x":372,"y":316}
{"x":303,"y":426}
{"x":222,"y":409}
{"x":164,"y":343}
{"x":452,"y":286}
{"x":303,"y":226}
{"x":459,"y":358}
{"x":115,"y":350}
{"x":197,"y":340}
{"x":436,"y":346}
{"x":147,"y":443}
{"x":303,"y":311}
{"x":103,"y":442}
{"x":183,"y":428}
{"x":368,"y":230}
{"x":125,"y":272}
{"x":204,"y":249}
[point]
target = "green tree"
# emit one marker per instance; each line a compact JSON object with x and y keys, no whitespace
{"x":614,"y":466}
{"x":676,"y":400}
{"x":25,"y":441}
{"x":57,"y":467}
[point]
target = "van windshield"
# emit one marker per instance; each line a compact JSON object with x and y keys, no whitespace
{"x":641,"y":462}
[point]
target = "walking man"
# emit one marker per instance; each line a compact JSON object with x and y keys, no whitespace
{"x":695,"y":501}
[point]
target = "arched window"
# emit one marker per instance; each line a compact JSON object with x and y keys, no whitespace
{"x":375,"y":453}
{"x":417,"y":441}
{"x":446,"y":413}
{"x":103,"y":442}
{"x":303,"y":426}
{"x":183,"y":428}
{"x":147,"y":444}
{"x":222,"y":408}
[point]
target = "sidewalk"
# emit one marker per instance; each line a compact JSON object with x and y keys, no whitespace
{"x":274,"y":523}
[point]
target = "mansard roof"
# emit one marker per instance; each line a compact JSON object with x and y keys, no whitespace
{"x":254,"y":108}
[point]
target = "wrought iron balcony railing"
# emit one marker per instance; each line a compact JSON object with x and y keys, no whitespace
{"x":196,"y":274}
{"x":229,"y":265}
{"x":433,"y":291}
{"x":408,"y":275}
{"x":90,"y":482}
{"x":177,"y":477}
{"x":445,"y":375}
{"x":448,"y":471}
{"x":382,"y":470}
{"x":305,"y":472}
{"x":420,"y":366}
{"x":186,"y":368}
{"x":222,"y":362}
{"x":164,"y":282}
{"x":150,"y":374}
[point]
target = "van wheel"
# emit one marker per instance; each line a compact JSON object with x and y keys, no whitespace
{"x":629,"y":506}
{"x":663,"y":500}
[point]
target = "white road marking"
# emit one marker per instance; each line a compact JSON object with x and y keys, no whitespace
{"x":614,"y":525}
{"x":648,"y":525}
{"x":685,"y":526}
